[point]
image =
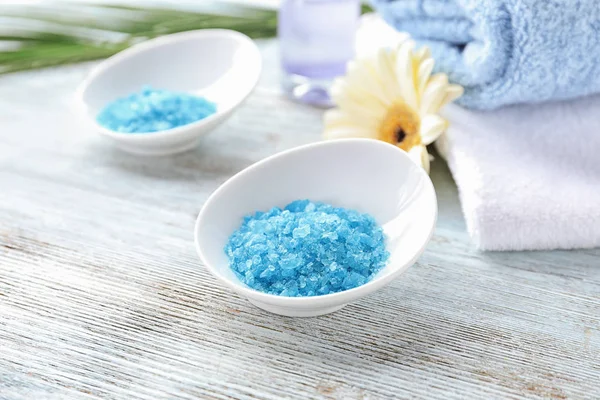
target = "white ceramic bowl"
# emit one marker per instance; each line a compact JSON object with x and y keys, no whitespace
{"x":221,"y":65}
{"x":366,"y":175}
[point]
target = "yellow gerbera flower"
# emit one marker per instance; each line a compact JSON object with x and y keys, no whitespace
{"x":392,"y":97}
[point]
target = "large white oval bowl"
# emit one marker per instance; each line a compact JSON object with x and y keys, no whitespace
{"x":366,"y":175}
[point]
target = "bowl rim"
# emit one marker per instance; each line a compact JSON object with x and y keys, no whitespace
{"x":321,"y":300}
{"x":147,"y":45}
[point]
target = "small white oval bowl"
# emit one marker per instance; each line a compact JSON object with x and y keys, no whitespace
{"x":219,"y":64}
{"x":362,"y":174}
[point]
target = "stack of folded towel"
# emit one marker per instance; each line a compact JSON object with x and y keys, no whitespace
{"x":507,"y":51}
{"x":528,"y":175}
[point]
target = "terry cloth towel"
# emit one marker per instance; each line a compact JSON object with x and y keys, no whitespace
{"x":528,"y":176}
{"x":507,"y":51}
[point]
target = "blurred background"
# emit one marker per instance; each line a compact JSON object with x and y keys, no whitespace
{"x":43,"y":33}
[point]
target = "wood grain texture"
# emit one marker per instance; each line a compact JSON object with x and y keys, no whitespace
{"x":103,"y":297}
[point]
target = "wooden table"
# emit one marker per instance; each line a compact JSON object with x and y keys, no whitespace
{"x":102,"y":294}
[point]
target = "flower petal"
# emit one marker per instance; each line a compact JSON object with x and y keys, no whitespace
{"x":424,"y":73}
{"x":420,"y":156}
{"x":453,"y":92}
{"x":348,"y":132}
{"x":350,"y":98}
{"x":348,"y":105}
{"x":434,"y":94}
{"x":423,"y":53}
{"x":432,"y":126}
{"x":344,"y":89}
{"x":336,"y":118}
{"x":387,"y":75}
{"x":404,"y":74}
{"x":361,"y":74}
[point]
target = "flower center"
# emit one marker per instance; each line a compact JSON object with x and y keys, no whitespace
{"x":400,"y":127}
{"x":400,"y":135}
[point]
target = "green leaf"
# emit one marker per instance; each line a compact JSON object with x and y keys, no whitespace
{"x":83,"y":32}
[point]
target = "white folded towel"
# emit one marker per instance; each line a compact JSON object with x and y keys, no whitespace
{"x":528,"y":176}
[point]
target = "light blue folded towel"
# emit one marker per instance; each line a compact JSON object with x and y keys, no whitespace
{"x":507,"y":51}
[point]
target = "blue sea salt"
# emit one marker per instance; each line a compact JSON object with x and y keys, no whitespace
{"x":153,"y":110}
{"x":307,"y":249}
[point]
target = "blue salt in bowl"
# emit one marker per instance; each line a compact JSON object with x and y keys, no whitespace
{"x":360,"y":174}
{"x":154,"y":110}
{"x":307,"y":249}
{"x":221,"y":65}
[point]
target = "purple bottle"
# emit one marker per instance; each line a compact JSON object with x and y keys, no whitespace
{"x":316,"y":39}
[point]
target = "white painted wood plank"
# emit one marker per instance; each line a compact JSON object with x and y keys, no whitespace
{"x":103,"y":297}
